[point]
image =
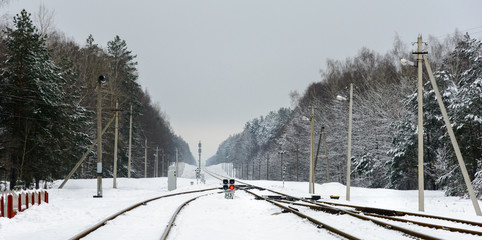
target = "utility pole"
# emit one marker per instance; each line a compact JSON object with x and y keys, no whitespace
{"x":252,"y":172}
{"x":162,"y":164}
{"x":242,"y":170}
{"x":267,"y":167}
{"x":455,"y":145}
{"x":326,"y":156}
{"x":297,"y":163}
{"x":348,"y":160}
{"x":259,"y":169}
{"x":420,"y":126}
{"x":145,"y":158}
{"x":312,"y":160}
{"x":281,"y":163}
{"x":101,"y":80}
{"x":199,"y":145}
{"x":116,"y":134}
{"x":156,"y":169}
{"x":130,"y":145}
{"x":177,"y":162}
{"x":85,"y":154}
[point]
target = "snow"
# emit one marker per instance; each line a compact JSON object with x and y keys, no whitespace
{"x":73,"y":209}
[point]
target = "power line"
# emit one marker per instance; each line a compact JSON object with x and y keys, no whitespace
{"x":466,"y":30}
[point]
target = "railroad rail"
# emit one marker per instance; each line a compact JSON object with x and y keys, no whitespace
{"x":167,"y":230}
{"x":360,"y":212}
{"x":390,"y":212}
{"x":320,"y":207}
{"x":142,"y":203}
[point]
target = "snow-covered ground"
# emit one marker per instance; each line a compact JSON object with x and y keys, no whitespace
{"x":73,"y":209}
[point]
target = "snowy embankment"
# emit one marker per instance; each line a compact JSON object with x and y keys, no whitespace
{"x":73,"y":208}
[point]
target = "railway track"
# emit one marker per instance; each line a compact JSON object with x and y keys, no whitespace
{"x":388,"y":219}
{"x":94,"y":228}
{"x":169,"y":226}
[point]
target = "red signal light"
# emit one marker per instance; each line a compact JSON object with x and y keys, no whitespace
{"x":231,"y":187}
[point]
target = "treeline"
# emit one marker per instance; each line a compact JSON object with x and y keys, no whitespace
{"x":384,"y":136}
{"x":48,"y":100}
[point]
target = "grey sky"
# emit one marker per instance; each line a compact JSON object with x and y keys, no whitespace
{"x":213,"y":65}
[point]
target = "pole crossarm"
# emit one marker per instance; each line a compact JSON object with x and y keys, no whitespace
{"x":85,"y":154}
{"x":453,"y":139}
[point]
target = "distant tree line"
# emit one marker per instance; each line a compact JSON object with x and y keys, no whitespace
{"x":384,"y":138}
{"x":48,"y":98}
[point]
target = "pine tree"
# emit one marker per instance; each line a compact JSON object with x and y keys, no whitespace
{"x":39,"y":121}
{"x":466,"y":115}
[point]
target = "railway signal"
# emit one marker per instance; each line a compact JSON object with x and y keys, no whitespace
{"x":228,"y":187}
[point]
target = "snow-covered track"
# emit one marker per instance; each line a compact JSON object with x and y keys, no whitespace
{"x":142,"y":203}
{"x":174,"y":216}
{"x":389,"y":212}
{"x":321,"y":207}
{"x":366,"y":214}
{"x":318,"y":223}
{"x":370,"y":213}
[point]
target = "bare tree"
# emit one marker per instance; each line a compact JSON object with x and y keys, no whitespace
{"x":44,"y":19}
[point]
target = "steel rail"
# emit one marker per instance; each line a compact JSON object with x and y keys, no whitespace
{"x":380,"y":223}
{"x":402,"y":213}
{"x":301,"y":215}
{"x":167,"y":230}
{"x":424,"y":224}
{"x":316,"y":222}
{"x":103,"y":222}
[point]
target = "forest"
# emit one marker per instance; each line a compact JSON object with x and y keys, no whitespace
{"x":384,"y":135}
{"x":48,"y":101}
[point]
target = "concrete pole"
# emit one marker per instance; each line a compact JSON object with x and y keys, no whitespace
{"x":242,"y":170}
{"x":259,"y":170}
{"x":312,"y":160}
{"x":465,"y":174}
{"x":145,"y":158}
{"x":267,"y":167}
{"x":420,"y":127}
{"x":326,"y":156}
{"x":281,"y":164}
{"x":116,"y":135}
{"x":199,"y":145}
{"x":177,"y":162}
{"x":156,"y":169}
{"x":348,"y":160}
{"x":130,"y":145}
{"x":252,"y":172}
{"x":297,"y":164}
{"x":162,"y":164}
{"x":99,"y":138}
{"x":85,"y":155}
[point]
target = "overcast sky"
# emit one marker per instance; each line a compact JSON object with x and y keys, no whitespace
{"x":214,"y":65}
